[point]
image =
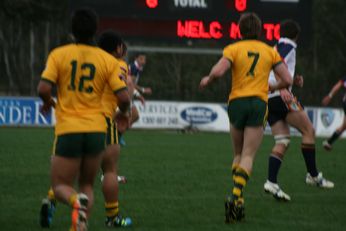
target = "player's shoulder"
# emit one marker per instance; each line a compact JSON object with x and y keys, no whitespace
{"x":64,"y":49}
{"x":285,"y":46}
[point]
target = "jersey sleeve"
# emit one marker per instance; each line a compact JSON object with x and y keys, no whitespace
{"x":50,"y":73}
{"x":276,"y":58}
{"x":229,"y":53}
{"x":133,"y":70}
{"x":124,"y":70}
{"x":115,"y":77}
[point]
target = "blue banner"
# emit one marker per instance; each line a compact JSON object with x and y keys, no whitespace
{"x":21,"y":111}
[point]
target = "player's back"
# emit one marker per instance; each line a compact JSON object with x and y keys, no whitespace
{"x":252,"y":61}
{"x":81,"y":75}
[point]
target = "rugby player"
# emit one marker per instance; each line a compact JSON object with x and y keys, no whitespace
{"x":251,"y":62}
{"x":285,"y":111}
{"x":80,"y":71}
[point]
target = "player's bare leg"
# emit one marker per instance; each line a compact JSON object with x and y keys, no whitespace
{"x":281,"y":133}
{"x":89,"y":169}
{"x":110,"y":187}
{"x":246,"y":142}
{"x":300,"y":121}
{"x":327,"y":144}
{"x":64,"y":172}
{"x":237,"y":144}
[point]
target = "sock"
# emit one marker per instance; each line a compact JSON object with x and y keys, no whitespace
{"x":50,"y":194}
{"x":234,"y":169}
{"x":309,"y":155}
{"x":334,"y":137}
{"x":72,"y":200}
{"x":274,"y":167}
{"x":112,"y":209}
{"x":240,"y":179}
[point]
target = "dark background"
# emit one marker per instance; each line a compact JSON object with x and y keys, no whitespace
{"x":31,"y":28}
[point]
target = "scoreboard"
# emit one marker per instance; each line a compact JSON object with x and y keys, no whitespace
{"x":195,"y":21}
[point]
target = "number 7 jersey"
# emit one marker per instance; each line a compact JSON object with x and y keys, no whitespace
{"x":251,"y":62}
{"x":81,"y":73}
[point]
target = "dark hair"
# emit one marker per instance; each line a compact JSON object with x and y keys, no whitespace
{"x":250,"y":26}
{"x":84,"y":24}
{"x":109,"y":41}
{"x":139,"y":54}
{"x":289,"y":29}
{"x":124,"y":49}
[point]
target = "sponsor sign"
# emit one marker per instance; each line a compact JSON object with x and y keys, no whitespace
{"x":328,"y":120}
{"x":23,"y":112}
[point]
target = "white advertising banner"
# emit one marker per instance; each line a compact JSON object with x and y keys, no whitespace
{"x":328,"y":120}
{"x":24,"y":111}
{"x":177,"y":115}
{"x":158,"y":115}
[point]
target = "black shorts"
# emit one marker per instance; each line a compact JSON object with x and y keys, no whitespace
{"x":278,"y":109}
{"x":78,"y":145}
{"x":247,"y":112}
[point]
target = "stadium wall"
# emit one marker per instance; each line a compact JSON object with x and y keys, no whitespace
{"x":24,"y":111}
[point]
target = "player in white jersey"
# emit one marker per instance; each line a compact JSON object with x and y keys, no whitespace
{"x":285,"y":111}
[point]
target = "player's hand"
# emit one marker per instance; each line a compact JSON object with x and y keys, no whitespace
{"x":45,"y":109}
{"x":147,"y":91}
{"x":141,"y":99}
{"x":204,"y":83}
{"x":298,"y":80}
{"x":123,"y":121}
{"x":286,"y":96}
{"x":326,"y":100}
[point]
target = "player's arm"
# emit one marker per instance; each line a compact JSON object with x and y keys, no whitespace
{"x":124,"y":100}
{"x":134,"y":93}
{"x":284,"y":78}
{"x":118,"y":85}
{"x":141,"y":89}
{"x":218,"y":71}
{"x":48,"y":79}
{"x":326,"y":100}
{"x":44,"y":90}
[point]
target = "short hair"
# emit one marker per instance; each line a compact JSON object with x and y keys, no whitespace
{"x":84,"y":24}
{"x":289,"y":29}
{"x":250,"y":26}
{"x":139,"y":54}
{"x":109,"y":41}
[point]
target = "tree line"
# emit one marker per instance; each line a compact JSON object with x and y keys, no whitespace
{"x":29,"y":29}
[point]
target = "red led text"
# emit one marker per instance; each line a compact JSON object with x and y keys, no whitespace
{"x":197,"y":29}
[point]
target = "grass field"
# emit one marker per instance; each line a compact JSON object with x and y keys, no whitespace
{"x":175,"y":182}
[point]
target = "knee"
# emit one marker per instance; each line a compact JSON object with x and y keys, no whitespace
{"x":281,"y":144}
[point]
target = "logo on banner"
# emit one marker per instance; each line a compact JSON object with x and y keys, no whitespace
{"x":327,"y":117}
{"x":198,"y":115}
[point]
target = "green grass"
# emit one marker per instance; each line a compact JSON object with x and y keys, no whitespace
{"x":175,"y":182}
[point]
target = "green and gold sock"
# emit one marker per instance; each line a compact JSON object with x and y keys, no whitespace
{"x":240,"y":179}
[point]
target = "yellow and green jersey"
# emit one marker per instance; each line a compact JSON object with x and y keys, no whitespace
{"x":109,"y":100}
{"x":81,"y":73}
{"x":252,"y":61}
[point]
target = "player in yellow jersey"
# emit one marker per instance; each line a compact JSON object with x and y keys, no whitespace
{"x":113,"y":44}
{"x":80,"y":72}
{"x":251,"y":62}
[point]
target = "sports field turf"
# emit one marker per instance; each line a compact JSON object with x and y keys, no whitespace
{"x":175,"y":182}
